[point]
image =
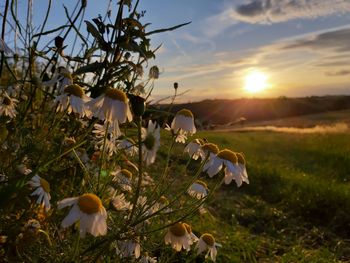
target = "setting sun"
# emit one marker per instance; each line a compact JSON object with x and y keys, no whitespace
{"x":255,"y":82}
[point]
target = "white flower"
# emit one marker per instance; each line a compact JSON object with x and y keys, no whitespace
{"x":153,"y":72}
{"x":111,"y":139}
{"x":228,"y":159}
{"x":240,"y":175}
{"x":113,"y":106}
{"x":128,"y":146}
{"x":179,"y":236}
{"x":183,"y":123}
{"x":194,"y":149}
{"x":22,"y":168}
{"x":198,"y":189}
{"x":147,"y":259}
{"x":207,"y":242}
{"x":88,"y":209}
{"x":42,"y":191}
{"x":129,"y":248}
{"x":5,"y":48}
{"x":7,"y":106}
{"x":119,"y":202}
{"x":123,"y":178}
{"x":210,"y":150}
{"x":151,"y":142}
{"x":74,"y":100}
{"x":63,"y":78}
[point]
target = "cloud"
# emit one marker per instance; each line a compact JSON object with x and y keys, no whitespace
{"x":273,"y":11}
{"x":337,"y":40}
{"x":342,"y":72}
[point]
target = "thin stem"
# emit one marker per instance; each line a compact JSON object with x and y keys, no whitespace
{"x":3,"y":34}
{"x":102,"y":157}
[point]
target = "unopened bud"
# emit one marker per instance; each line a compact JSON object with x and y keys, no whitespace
{"x":59,"y":42}
{"x":176,"y":85}
{"x":138,"y":105}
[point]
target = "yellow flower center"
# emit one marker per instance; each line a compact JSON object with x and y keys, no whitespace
{"x":185,"y":112}
{"x":163,"y":200}
{"x":149,"y":141}
{"x":89,"y":203}
{"x":178,"y":229}
{"x":45,"y":185}
{"x":67,"y":75}
{"x":188,"y":228}
{"x":7,"y":101}
{"x":116,"y":94}
{"x":75,"y":90}
{"x":126,"y":173}
{"x":208,"y":239}
{"x":240,"y":158}
{"x":228,"y":155}
{"x":200,"y":182}
{"x":210,"y":147}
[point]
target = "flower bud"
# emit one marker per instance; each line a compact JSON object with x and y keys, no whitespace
{"x":59,"y":42}
{"x":138,"y":105}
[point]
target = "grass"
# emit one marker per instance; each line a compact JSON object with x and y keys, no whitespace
{"x":295,"y":208}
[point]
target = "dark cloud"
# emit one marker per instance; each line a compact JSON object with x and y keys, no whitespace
{"x":338,"y":73}
{"x":338,"y":40}
{"x":271,"y":11}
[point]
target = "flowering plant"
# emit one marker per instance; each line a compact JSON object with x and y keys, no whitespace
{"x":81,"y":171}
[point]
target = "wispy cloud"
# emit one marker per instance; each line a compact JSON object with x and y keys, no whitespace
{"x":273,"y":11}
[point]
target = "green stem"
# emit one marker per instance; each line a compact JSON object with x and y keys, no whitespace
{"x":102,"y":157}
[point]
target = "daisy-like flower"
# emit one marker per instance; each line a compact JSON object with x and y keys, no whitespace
{"x":129,"y":248}
{"x":110,"y":144}
{"x":183,"y":123}
{"x":74,"y":100}
{"x":207,"y":242}
{"x":145,"y":258}
{"x":42,"y":191}
{"x":210,"y":150}
{"x":123,"y":178}
{"x":88,"y":209}
{"x":178,"y":236}
{"x":7,"y":106}
{"x":198,"y":189}
{"x":22,"y":168}
{"x":240,"y":175}
{"x":151,"y":142}
{"x":63,"y":78}
{"x":194,"y":149}
{"x":112,"y":106}
{"x":128,"y":146}
{"x":119,"y":202}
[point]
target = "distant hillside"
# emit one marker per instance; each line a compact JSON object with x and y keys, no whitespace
{"x":229,"y":111}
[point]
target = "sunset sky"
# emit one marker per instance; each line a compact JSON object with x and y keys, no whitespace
{"x":301,"y":47}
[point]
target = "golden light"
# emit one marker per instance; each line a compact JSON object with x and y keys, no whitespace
{"x":255,"y":81}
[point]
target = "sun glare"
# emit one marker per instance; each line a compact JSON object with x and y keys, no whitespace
{"x":255,"y":81}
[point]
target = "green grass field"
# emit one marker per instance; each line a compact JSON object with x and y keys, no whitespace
{"x":296,"y":207}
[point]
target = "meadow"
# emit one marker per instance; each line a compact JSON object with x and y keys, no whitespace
{"x":295,"y":208}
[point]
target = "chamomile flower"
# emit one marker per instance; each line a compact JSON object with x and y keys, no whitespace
{"x":151,"y":142}
{"x":129,"y":248}
{"x":210,"y":151}
{"x":119,"y":202}
{"x":8,"y":106}
{"x":207,"y":242}
{"x":88,"y":209}
{"x":179,"y":237}
{"x":128,"y":145}
{"x":42,"y":191}
{"x":240,"y":175}
{"x":145,"y":258}
{"x":109,"y":143}
{"x":112,"y":106}
{"x":198,"y":189}
{"x":194,"y":149}
{"x":123,"y":178}
{"x":74,"y":100}
{"x":62,"y":78}
{"x":183,"y":122}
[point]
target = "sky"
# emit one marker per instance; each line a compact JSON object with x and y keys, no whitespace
{"x":301,"y":47}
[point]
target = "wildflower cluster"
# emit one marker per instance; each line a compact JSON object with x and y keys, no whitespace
{"x":81,"y":165}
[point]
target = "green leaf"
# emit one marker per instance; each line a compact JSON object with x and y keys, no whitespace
{"x":166,"y":29}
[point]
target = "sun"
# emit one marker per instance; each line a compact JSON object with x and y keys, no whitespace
{"x":255,"y":82}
